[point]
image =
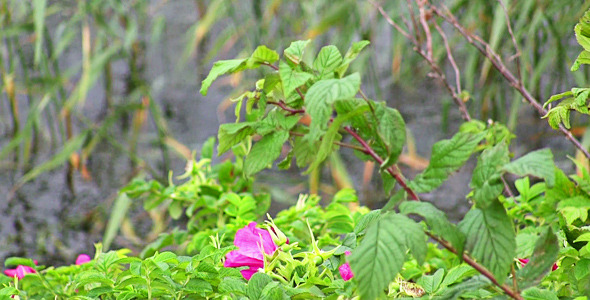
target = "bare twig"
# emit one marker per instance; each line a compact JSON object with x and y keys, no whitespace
{"x":516,"y":56}
{"x":414,"y":25}
{"x":433,"y":65}
{"x":425,"y":27}
{"x":494,"y":58}
{"x":450,"y":58}
{"x":392,"y":23}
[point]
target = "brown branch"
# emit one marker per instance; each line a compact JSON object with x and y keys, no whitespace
{"x":487,"y":51}
{"x":516,"y":56}
{"x":284,"y":107}
{"x":481,"y":269}
{"x":428,"y":58}
{"x":450,"y":58}
{"x":425,"y":27}
{"x":341,"y":144}
{"x":392,"y":170}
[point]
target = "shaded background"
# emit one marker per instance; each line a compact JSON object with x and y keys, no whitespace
{"x":97,"y":92}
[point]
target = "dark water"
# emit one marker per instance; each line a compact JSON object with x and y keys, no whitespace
{"x":48,"y":222}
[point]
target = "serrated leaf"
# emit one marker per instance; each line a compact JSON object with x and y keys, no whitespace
{"x":232,"y":285}
{"x":535,"y":293}
{"x":456,"y":291}
{"x":265,"y":152}
{"x":351,"y":55}
{"x":327,"y":60}
{"x":233,"y":133}
{"x":490,"y":238}
{"x":380,"y":255}
{"x":487,"y":182}
{"x":447,"y":157}
{"x":582,"y":59}
{"x":538,"y":163}
{"x":321,"y":95}
{"x":431,"y":283}
{"x":292,"y":79}
{"x":437,"y":222}
{"x":457,"y":274}
{"x":222,"y":67}
{"x":295,"y":51}
{"x":391,"y":130}
{"x":582,"y":31}
{"x":262,"y":55}
{"x":327,"y":145}
{"x":256,"y":284}
{"x":545,"y":254}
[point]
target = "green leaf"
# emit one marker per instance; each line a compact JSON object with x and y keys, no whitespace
{"x":327,"y":60}
{"x":39,"y":14}
{"x":57,"y":160}
{"x":262,"y":55}
{"x":473,"y":284}
{"x":546,"y":251}
{"x":582,"y":268}
{"x":292,"y":79}
{"x":490,"y":238}
{"x":321,"y":95}
{"x":327,"y":145}
{"x":16,"y":261}
{"x":264,"y":152}
{"x":457,"y":274}
{"x":487,"y":182}
{"x":437,"y":222}
{"x":392,"y":131}
{"x":431,"y":283}
{"x":295,"y":51}
{"x":538,"y":163}
{"x":222,"y":67}
{"x":233,"y":285}
{"x":447,"y":157}
{"x":582,"y":59}
{"x":233,"y":133}
{"x":582,"y":31}
{"x":256,"y":284}
{"x":351,"y":55}
{"x":118,"y":213}
{"x":381,"y":254}
{"x":535,"y":293}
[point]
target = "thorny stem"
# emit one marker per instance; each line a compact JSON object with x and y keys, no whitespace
{"x":487,"y":51}
{"x":392,"y":170}
{"x":282,"y":105}
{"x":481,"y":269}
{"x":428,"y":58}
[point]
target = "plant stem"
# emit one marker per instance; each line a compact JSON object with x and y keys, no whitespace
{"x":487,"y":51}
{"x":481,"y":269}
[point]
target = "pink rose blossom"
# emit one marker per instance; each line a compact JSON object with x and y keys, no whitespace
{"x":252,"y":243}
{"x":524,"y":261}
{"x":82,"y":259}
{"x":20,"y":271}
{"x":345,"y":270}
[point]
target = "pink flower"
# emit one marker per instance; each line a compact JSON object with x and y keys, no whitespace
{"x":19,"y":272}
{"x":524,"y":261}
{"x":252,"y":243}
{"x":345,"y":270}
{"x":82,"y":259}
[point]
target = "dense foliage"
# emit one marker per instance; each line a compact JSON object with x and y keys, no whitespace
{"x":530,"y":243}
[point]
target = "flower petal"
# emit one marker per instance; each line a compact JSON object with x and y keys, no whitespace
{"x":346,"y":272}
{"x":82,"y":259}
